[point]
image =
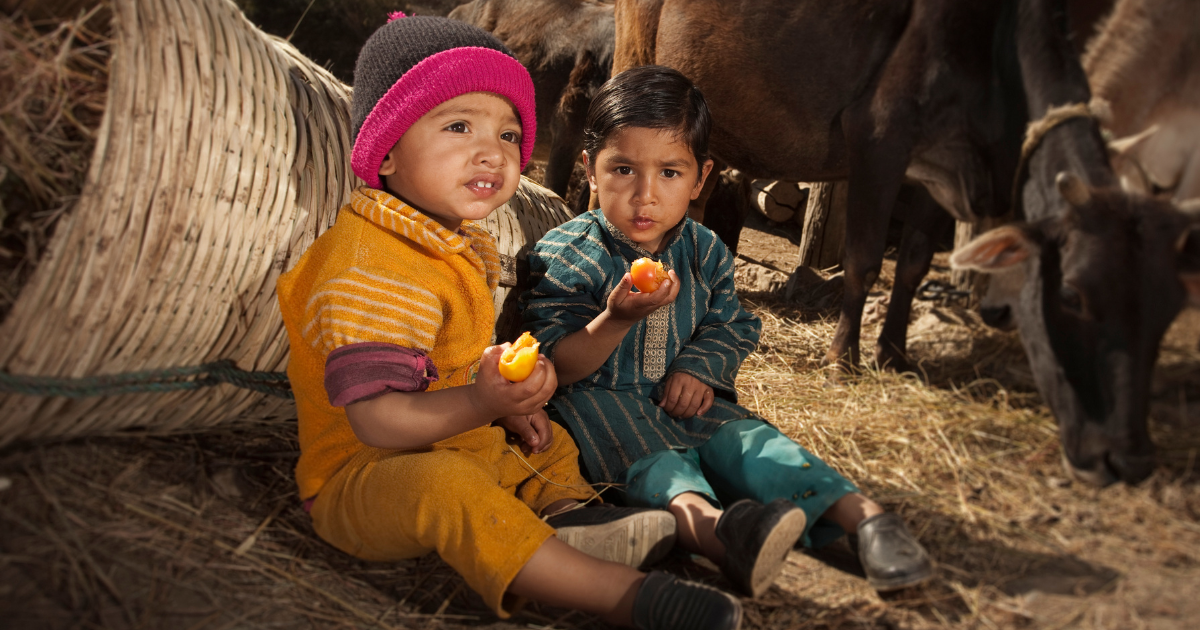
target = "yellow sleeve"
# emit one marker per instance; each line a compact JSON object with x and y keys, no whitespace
{"x":364,"y":304}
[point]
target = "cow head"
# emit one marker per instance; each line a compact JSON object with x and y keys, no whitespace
{"x":1097,"y":288}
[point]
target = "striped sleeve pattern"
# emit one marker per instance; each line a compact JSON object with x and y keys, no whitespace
{"x":372,"y":305}
{"x":726,"y":333}
{"x":363,"y":371}
{"x":569,"y":283}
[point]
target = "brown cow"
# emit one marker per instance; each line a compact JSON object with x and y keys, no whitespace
{"x":1099,"y":273}
{"x":1144,"y":70}
{"x":878,"y":92}
{"x":567,"y":45}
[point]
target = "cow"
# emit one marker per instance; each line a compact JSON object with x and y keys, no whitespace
{"x":1098,"y":273}
{"x":878,"y":92}
{"x":1144,"y":71}
{"x":567,"y":45}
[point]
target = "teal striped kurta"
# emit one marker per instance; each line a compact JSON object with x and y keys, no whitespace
{"x":706,"y":333}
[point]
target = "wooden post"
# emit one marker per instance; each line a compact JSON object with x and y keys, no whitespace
{"x":823,"y":241}
{"x":964,"y":231}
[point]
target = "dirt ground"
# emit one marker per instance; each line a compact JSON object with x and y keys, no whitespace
{"x":205,"y":530}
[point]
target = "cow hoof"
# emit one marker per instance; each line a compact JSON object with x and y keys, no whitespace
{"x":892,"y":360}
{"x":840,"y":373}
{"x":1101,"y":477}
{"x":835,"y":379}
{"x":894,"y":364}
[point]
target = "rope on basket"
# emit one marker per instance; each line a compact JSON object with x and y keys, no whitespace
{"x":161,"y":380}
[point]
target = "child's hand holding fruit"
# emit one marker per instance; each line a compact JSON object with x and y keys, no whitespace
{"x":656,"y":289}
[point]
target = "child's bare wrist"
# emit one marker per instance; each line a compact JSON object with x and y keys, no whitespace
{"x":481,"y":403}
{"x":611,"y":322}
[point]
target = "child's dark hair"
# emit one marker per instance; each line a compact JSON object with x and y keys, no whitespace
{"x":654,"y":97}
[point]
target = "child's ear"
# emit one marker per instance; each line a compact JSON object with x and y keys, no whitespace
{"x":591,"y":172}
{"x":705,"y":169}
{"x":388,"y":166}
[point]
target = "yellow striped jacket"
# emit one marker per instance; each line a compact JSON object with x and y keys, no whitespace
{"x":383,"y":273}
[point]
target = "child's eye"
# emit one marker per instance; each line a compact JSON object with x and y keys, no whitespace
{"x":457,"y":127}
{"x":511,"y":136}
{"x":668,"y":173}
{"x":624,"y":170}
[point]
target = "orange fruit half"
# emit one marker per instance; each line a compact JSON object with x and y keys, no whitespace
{"x":647,"y":275}
{"x":518,"y":361}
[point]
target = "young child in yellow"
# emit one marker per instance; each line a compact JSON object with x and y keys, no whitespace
{"x":403,"y":414}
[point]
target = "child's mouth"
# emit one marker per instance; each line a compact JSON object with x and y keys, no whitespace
{"x":643,"y":223}
{"x":484,"y":187}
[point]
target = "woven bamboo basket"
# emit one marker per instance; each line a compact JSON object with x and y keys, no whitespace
{"x":222,"y":154}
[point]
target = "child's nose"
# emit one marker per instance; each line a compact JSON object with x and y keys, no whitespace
{"x":647,"y":191}
{"x":490,"y":152}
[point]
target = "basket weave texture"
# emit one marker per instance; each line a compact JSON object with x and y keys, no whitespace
{"x":222,"y":154}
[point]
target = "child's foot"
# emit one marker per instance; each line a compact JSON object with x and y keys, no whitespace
{"x":630,"y":536}
{"x":665,"y":602}
{"x":757,"y":540}
{"x":890,"y":556}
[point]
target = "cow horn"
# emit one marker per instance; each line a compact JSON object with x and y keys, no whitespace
{"x":1189,"y":207}
{"x":1072,"y":189}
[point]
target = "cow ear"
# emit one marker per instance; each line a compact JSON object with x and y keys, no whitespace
{"x":1188,"y":250}
{"x":995,"y":250}
{"x":1072,"y":189}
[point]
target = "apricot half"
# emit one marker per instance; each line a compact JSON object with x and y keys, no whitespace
{"x":518,"y":361}
{"x":647,"y":274}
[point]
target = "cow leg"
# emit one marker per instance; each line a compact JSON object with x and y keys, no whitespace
{"x":924,"y":223}
{"x":564,"y":151}
{"x":636,"y":28}
{"x":726,"y":208}
{"x":877,"y":162}
{"x":697,"y":206}
{"x":567,"y":128}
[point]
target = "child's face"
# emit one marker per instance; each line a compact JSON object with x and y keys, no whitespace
{"x":645,"y":179}
{"x":461,"y":160}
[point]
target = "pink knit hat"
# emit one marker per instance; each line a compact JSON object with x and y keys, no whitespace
{"x":411,"y":65}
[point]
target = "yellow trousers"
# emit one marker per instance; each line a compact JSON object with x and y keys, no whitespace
{"x":469,"y":498}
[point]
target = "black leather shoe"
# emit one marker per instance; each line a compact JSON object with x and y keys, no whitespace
{"x":757,"y":540}
{"x":890,"y":556}
{"x":630,"y":536}
{"x":665,"y":602}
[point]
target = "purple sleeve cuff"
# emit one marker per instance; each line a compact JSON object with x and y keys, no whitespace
{"x":362,"y":371}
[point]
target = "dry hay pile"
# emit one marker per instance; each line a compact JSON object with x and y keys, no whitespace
{"x":54,"y":77}
{"x":205,"y":530}
{"x":971,"y":458}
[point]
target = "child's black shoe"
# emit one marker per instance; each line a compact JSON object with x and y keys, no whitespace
{"x":630,"y":536}
{"x":757,"y":540}
{"x":890,"y":556}
{"x":665,"y":602}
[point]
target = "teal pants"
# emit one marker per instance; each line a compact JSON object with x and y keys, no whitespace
{"x":744,"y":459}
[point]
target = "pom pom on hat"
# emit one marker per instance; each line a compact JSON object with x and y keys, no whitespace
{"x":410,"y":66}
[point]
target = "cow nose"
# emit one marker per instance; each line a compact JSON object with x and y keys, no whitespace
{"x":997,"y":316}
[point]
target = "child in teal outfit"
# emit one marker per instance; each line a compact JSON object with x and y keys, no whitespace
{"x":646,"y":380}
